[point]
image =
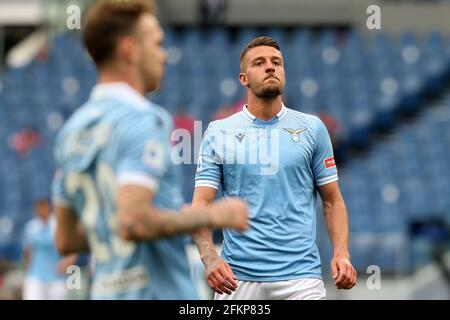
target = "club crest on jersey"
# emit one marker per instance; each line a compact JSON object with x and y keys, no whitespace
{"x":240,"y":135}
{"x":295,"y":133}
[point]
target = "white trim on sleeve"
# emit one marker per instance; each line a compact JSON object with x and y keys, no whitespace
{"x":139,"y":179}
{"x":326,"y":180}
{"x":62,"y":203}
{"x":207,"y":183}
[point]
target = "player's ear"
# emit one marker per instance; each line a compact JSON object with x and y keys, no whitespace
{"x":243,"y":79}
{"x":127,"y":49}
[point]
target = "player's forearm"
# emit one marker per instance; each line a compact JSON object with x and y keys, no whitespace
{"x":26,"y":258}
{"x":72,"y":245}
{"x":154,"y":224}
{"x":336,"y":219}
{"x":204,"y":241}
{"x":203,"y":238}
{"x":71,"y":241}
{"x":138,"y":220}
{"x":70,"y":237}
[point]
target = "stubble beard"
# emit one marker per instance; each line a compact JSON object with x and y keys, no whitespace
{"x":269,"y":92}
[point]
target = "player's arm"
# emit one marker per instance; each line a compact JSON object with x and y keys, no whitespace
{"x":144,"y":161}
{"x":218,"y":273}
{"x":204,"y":196}
{"x":335,"y":214}
{"x":27,"y":248}
{"x":66,"y":262}
{"x":139,"y":220}
{"x":26,"y":257}
{"x":69,"y":236}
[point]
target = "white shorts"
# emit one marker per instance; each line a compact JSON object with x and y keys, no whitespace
{"x":34,"y":289}
{"x":297,"y":289}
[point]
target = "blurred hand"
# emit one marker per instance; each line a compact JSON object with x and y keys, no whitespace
{"x":65,"y":263}
{"x":230,"y":213}
{"x":219,"y":275}
{"x":344,"y":275}
{"x":62,"y":266}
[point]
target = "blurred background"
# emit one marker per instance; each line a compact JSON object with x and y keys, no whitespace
{"x":384,"y":95}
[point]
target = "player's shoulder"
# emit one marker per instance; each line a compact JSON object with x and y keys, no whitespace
{"x":141,"y":114}
{"x":235,"y":120}
{"x":127,"y":110}
{"x":120,"y":117}
{"x":307,"y":118}
{"x":32,"y":225}
{"x":160,"y":111}
{"x":310,"y":123}
{"x":153,"y":120}
{"x":127,"y":117}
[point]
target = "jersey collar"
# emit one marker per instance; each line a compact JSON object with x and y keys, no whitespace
{"x":247,"y":114}
{"x":121,"y":91}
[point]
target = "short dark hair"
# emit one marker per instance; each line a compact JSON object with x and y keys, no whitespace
{"x":257,"y":42}
{"x":42,"y":200}
{"x":107,"y":21}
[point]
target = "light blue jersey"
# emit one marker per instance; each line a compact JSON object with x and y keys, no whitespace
{"x":276,"y":166}
{"x":118,"y":137}
{"x":39,"y":237}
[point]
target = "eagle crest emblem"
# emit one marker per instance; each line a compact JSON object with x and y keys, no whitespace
{"x":295,"y":133}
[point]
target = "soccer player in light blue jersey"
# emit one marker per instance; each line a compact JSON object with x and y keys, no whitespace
{"x":116,"y":190}
{"x":277,"y":159}
{"x":44,"y":280}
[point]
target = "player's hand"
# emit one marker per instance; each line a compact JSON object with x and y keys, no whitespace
{"x":344,"y":275}
{"x":229,"y":213}
{"x":62,"y":266}
{"x":220,"y":277}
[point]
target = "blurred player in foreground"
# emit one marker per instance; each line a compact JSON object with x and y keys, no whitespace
{"x":277,"y":258}
{"x":116,"y":190}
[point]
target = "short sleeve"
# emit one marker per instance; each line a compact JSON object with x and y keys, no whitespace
{"x":209,"y":167}
{"x":323,"y":165}
{"x":60,"y":196}
{"x":143,"y":154}
{"x":26,"y":236}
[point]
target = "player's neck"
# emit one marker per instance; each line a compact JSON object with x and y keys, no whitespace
{"x":111,"y":76}
{"x":264,"y":109}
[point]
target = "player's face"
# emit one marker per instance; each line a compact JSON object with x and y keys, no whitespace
{"x":152,"y":57}
{"x":263,"y":72}
{"x":42,"y":209}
